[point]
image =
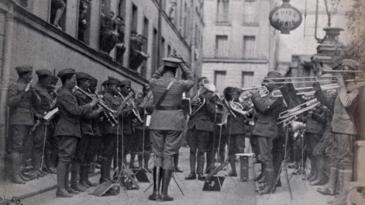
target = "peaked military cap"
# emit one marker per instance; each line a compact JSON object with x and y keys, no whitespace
{"x":112,"y":81}
{"x":43,"y":73}
{"x":93,"y":81}
{"x":82,"y":75}
{"x":66,"y":71}
{"x":125,"y":83}
{"x":273,"y":74}
{"x":24,"y":69}
{"x":171,"y":61}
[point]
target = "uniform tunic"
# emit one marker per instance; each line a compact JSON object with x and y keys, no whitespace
{"x":168,"y":120}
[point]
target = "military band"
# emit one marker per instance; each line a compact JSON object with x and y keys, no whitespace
{"x":104,"y":127}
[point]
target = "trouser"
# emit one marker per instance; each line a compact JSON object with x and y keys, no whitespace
{"x":278,"y":155}
{"x":198,"y":141}
{"x":109,"y":150}
{"x":126,"y":145}
{"x":143,"y":141}
{"x":82,"y":149}
{"x":66,"y":153}
{"x":345,"y":146}
{"x":165,"y":144}
{"x":19,"y":134}
{"x":310,"y":142}
{"x":266,"y":151}
{"x":236,"y":145}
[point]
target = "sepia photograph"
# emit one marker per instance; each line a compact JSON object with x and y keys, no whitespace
{"x":182,"y":102}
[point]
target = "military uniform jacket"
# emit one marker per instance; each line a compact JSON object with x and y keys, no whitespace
{"x":87,"y":119}
{"x":316,"y":121}
{"x":267,"y":110}
{"x":169,"y":119}
{"x":21,"y":104}
{"x":113,"y":102}
{"x":47,"y":101}
{"x":70,"y":113}
{"x":344,"y":107}
{"x":203,"y":119}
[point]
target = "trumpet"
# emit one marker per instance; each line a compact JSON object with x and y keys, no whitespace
{"x":129,"y":101}
{"x":309,"y":79}
{"x":110,"y":113}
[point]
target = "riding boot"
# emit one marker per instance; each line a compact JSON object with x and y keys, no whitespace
{"x":346,"y":178}
{"x":232,"y":162}
{"x":200,"y":167}
{"x":61,"y":180}
{"x":28,"y":173}
{"x":313,"y":172}
{"x":210,"y":162}
{"x":67,"y":181}
{"x":176,"y":163}
{"x":105,"y":170}
{"x":85,"y":168}
{"x":261,"y":176}
{"x":192,"y":160}
{"x":165,"y":186}
{"x":75,"y":173}
{"x":322,"y":177}
{"x":140,"y":160}
{"x":16,"y":161}
{"x":37,"y":164}
{"x":270,"y":182}
{"x":156,"y":178}
{"x":330,"y":187}
{"x":244,"y":169}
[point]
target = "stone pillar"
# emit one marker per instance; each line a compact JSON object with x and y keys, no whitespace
{"x":127,"y":33}
{"x":72,"y":11}
{"x":95,"y":24}
{"x":8,"y":28}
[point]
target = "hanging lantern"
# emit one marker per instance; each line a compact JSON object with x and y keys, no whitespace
{"x":285,"y":18}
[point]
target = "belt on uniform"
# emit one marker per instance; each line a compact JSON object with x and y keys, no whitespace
{"x":168,"y":108}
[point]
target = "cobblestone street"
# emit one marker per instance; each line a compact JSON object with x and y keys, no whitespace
{"x":233,"y":193}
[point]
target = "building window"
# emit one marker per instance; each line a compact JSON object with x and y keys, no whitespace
{"x":162,"y":49}
{"x":250,"y":13}
{"x":145,"y":45}
{"x":222,"y":11}
{"x":249,"y":47}
{"x":221,"y":46}
{"x":168,"y":50}
{"x":219,"y":80}
{"x":134,"y":19}
{"x":247,"y":79}
{"x":84,"y":21}
{"x":155,"y":50}
{"x":58,"y":13}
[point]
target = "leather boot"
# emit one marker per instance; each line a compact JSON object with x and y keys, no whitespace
{"x":313,"y":172}
{"x":75,"y":173}
{"x":192,"y":160}
{"x":16,"y":161}
{"x":165,"y":186}
{"x":322,"y":177}
{"x":346,"y":178}
{"x":200,"y":167}
{"x":261,"y":175}
{"x":37,"y":163}
{"x":156,"y":189}
{"x":210,"y":161}
{"x":330,"y":187}
{"x":67,"y":181}
{"x":244,"y":169}
{"x":61,"y":180}
{"x":269,"y":182}
{"x":105,"y":170}
{"x":232,"y":162}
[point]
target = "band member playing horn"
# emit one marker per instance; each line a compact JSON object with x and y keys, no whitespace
{"x":68,"y":128}
{"x":266,"y":129}
{"x":167,"y":121}
{"x":237,"y":127}
{"x":111,"y":133}
{"x":41,"y":132}
{"x":200,"y":131}
{"x":343,"y":128}
{"x":21,"y":98}
{"x":79,"y":169}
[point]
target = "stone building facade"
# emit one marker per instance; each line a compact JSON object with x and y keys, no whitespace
{"x":239,"y":44}
{"x":30,"y":36}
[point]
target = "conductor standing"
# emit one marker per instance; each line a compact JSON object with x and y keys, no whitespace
{"x":167,"y":122}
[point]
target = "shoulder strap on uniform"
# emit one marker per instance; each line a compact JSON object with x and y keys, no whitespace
{"x":163,"y":96}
